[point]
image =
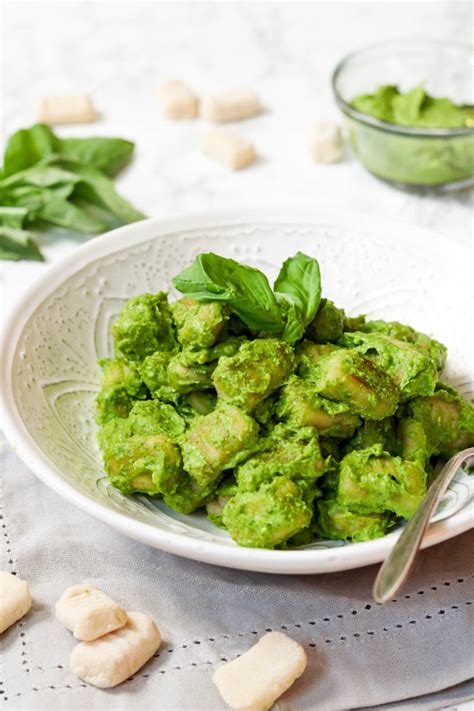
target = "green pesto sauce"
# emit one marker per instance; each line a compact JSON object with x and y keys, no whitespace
{"x":420,"y":161}
{"x":332,"y":438}
{"x":412,"y":108}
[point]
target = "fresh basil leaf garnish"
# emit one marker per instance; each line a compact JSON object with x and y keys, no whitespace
{"x":246,"y":290}
{"x":299,"y":283}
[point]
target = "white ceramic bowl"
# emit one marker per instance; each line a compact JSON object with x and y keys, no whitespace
{"x":62,"y":326}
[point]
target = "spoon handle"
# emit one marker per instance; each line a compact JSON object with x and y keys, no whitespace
{"x":396,"y":568}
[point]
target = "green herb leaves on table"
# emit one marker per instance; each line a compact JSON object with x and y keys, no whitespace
{"x":47,"y":181}
{"x":16,"y":243}
{"x":284,"y":311}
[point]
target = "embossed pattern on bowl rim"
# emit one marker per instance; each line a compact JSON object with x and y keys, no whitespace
{"x":281,"y":231}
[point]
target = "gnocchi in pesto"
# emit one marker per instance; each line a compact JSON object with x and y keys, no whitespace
{"x":282,"y":417}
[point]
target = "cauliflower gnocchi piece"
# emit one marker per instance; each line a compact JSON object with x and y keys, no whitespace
{"x":218,"y":441}
{"x":230,"y":149}
{"x":198,"y":325}
{"x":256,"y":679}
{"x":436,"y":350}
{"x":328,"y":324}
{"x":15,"y":599}
{"x":253,"y":373}
{"x":121,"y":384}
{"x":300,"y":405}
{"x":325,"y":142}
{"x":233,"y":105}
{"x":177,"y":100}
{"x":447,"y":419}
{"x":143,"y":327}
{"x":268,"y":516}
{"x":186,"y":378}
{"x":348,"y":377}
{"x":107,"y":661}
{"x":337,"y":521}
{"x":412,"y":441}
{"x":372,"y":481}
{"x":66,"y":109}
{"x":89,"y":613}
{"x":409,"y":366}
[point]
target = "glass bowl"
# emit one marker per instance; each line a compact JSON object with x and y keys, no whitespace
{"x":415,"y":159}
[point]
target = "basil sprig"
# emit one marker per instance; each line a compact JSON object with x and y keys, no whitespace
{"x":54,"y":182}
{"x":284,"y":311}
{"x":244,"y":289}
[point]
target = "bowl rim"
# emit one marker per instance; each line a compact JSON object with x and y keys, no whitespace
{"x":387,"y":126}
{"x":300,"y":561}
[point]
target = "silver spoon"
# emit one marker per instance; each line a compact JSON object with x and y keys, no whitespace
{"x":397,"y":567}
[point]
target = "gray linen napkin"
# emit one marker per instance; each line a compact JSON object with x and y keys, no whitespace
{"x":459,"y":694}
{"x":359,"y":654}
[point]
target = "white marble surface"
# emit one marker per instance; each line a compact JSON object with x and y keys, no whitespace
{"x":119,"y":53}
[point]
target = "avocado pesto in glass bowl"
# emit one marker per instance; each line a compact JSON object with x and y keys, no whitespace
{"x":408,"y":107}
{"x":270,"y":409}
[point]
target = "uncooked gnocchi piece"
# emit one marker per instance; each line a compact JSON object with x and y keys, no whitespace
{"x":256,"y":679}
{"x":231,"y":106}
{"x":177,"y":100}
{"x":229,"y":148}
{"x":15,"y":599}
{"x":88,"y":612}
{"x":109,"y":660}
{"x":67,"y":109}
{"x":325,"y":142}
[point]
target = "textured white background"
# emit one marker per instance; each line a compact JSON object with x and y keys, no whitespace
{"x":119,"y":53}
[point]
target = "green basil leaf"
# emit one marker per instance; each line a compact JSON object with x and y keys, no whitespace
{"x":300,"y":281}
{"x":107,"y":154}
{"x":28,"y":198}
{"x":32,"y":199}
{"x":99,"y":189}
{"x":294,"y":325}
{"x":18,"y":244}
{"x":245,"y":289}
{"x":64,"y":213}
{"x":41,"y":176}
{"x":13,"y":216}
{"x":27,"y":147}
{"x":62,"y":182}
